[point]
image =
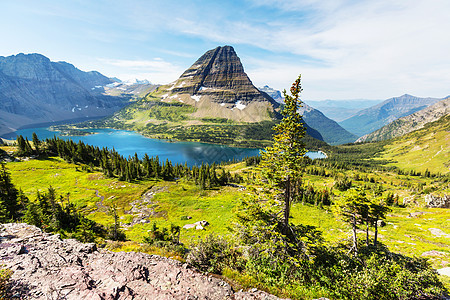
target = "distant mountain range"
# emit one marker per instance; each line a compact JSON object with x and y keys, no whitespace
{"x":375,"y":117}
{"x":275,"y":94}
{"x":134,"y":90}
{"x":330,"y":130}
{"x":410,"y":123}
{"x":35,"y":90}
{"x":339,"y":110}
{"x":213,"y":99}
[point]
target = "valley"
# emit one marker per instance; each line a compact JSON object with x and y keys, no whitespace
{"x":175,"y":170}
{"x":225,"y":150}
{"x":411,"y":229}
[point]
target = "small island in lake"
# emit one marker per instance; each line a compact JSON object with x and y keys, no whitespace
{"x":70,"y":130}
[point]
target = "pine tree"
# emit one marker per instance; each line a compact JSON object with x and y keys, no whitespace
{"x":281,"y":163}
{"x":28,"y":149}
{"x":36,"y":143}
{"x":33,"y":215}
{"x":20,"y":144}
{"x":263,"y":216}
{"x":9,"y":205}
{"x":353,"y":208}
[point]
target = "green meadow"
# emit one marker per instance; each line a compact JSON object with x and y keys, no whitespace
{"x":414,"y":230}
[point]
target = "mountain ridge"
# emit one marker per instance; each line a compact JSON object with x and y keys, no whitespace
{"x":409,"y":123}
{"x":213,"y":101}
{"x":35,"y":90}
{"x":421,"y":149}
{"x":329,"y":129}
{"x":375,"y":117}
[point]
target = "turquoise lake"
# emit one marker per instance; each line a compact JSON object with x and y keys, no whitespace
{"x":127,"y":143}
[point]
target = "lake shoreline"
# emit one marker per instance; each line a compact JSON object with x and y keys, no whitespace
{"x":127,"y":143}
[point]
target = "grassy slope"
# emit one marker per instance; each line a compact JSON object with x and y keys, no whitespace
{"x":426,"y":148}
{"x":403,"y":234}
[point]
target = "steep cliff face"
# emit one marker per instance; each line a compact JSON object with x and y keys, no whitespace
{"x":375,"y":117}
{"x":219,"y":74}
{"x":409,"y":123}
{"x":46,"y":267}
{"x":35,"y":90}
{"x":217,"y":85}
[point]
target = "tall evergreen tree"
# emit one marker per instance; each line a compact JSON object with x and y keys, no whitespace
{"x":9,"y":206}
{"x":20,"y":144}
{"x":281,"y":163}
{"x":28,"y":149}
{"x":36,"y":143}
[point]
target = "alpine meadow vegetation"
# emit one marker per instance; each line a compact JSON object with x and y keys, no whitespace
{"x":293,"y":259}
{"x":278,"y":221}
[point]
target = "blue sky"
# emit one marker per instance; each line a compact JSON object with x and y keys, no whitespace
{"x":344,"y":49}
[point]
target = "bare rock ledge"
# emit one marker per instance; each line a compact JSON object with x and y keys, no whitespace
{"x":47,"y":267}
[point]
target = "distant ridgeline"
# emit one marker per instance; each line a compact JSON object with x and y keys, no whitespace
{"x":35,"y":90}
{"x":375,"y":117}
{"x":213,"y":101}
{"x":409,"y":123}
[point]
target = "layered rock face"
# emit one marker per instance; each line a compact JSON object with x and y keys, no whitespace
{"x":46,"y":267}
{"x":219,"y":74}
{"x":218,"y":87}
{"x":34,"y":90}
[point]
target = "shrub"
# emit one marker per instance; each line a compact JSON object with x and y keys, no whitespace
{"x":343,"y":184}
{"x":213,"y":254}
{"x":5,"y":276}
{"x":167,"y":238}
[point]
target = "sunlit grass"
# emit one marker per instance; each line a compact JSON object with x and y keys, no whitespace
{"x":177,"y":201}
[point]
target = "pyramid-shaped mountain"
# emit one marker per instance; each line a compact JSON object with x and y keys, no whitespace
{"x":218,"y":87}
{"x":219,"y":74}
{"x":213,"y":101}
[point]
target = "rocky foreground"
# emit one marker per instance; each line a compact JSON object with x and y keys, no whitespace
{"x":47,"y":267}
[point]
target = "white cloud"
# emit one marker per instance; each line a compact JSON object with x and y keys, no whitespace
{"x":372,"y":49}
{"x":343,"y":48}
{"x":156,"y":70}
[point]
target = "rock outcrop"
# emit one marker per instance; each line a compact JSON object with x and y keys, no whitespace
{"x":35,"y":90}
{"x":437,"y":201}
{"x":46,"y":267}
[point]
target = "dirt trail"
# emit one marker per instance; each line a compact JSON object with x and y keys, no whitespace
{"x":144,"y":208}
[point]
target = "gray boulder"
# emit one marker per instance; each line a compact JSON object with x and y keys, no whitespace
{"x":437,"y":202}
